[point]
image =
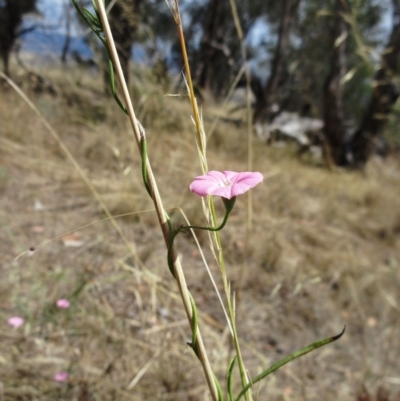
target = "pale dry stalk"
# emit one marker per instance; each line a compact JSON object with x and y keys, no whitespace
{"x":180,"y":278}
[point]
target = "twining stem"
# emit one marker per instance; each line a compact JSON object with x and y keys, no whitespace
{"x":161,"y":214}
{"x":229,"y":203}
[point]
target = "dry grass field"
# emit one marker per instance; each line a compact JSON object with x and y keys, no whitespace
{"x":324,"y":252}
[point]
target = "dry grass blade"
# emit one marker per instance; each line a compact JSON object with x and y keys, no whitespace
{"x":73,"y":161}
{"x":208,"y":271}
{"x":145,"y":368}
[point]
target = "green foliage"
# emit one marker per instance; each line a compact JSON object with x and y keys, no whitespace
{"x":308,"y":61}
{"x":393,"y":132}
{"x":212,"y":41}
{"x":215,"y":56}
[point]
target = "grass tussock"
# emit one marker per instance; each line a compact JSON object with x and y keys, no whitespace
{"x":324,"y":252}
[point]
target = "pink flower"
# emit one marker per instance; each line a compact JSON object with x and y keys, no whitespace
{"x":15,"y":321}
{"x":61,"y":376}
{"x":227,"y":184}
{"x":63,"y":304}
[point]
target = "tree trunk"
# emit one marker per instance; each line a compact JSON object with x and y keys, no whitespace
{"x":10,"y":20}
{"x":67,"y":42}
{"x":332,"y":97}
{"x":384,"y":96}
{"x":265,"y":97}
{"x":6,"y":63}
{"x":211,"y":43}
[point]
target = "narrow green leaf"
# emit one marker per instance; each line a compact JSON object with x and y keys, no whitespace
{"x":290,"y":358}
{"x":173,"y":234}
{"x":92,"y":18}
{"x":229,"y":379}
{"x":94,"y":5}
{"x":195,"y":320}
{"x":113,"y":89}
{"x":143,"y":144}
{"x":219,"y":389}
{"x":80,"y":12}
{"x":96,"y":9}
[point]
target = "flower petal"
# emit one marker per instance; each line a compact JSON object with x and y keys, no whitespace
{"x":15,"y":321}
{"x":225,"y":192}
{"x":63,"y":303}
{"x":61,"y":376}
{"x":242,"y":182}
{"x":226,"y":184}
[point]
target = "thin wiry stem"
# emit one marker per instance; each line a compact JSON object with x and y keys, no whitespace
{"x":201,"y":142}
{"x":239,"y":31}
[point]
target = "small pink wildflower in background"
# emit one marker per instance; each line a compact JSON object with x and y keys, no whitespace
{"x":61,"y":376}
{"x":227,"y":184}
{"x":63,"y":304}
{"x":15,"y":321}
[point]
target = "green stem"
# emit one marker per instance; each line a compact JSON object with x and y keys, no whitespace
{"x":143,"y":144}
{"x":212,"y":229}
{"x":229,"y":379}
{"x":242,"y":369}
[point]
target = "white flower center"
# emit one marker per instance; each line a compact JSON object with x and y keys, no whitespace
{"x":226,"y":183}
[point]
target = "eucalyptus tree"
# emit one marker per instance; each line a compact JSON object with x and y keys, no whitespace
{"x":345,"y":94}
{"x":383,"y":97}
{"x":329,"y":65}
{"x":266,"y":95}
{"x":213,"y":43}
{"x":333,"y":87}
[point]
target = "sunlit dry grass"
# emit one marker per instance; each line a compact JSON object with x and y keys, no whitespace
{"x":324,"y":252}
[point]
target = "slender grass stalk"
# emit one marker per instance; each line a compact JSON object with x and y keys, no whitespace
{"x":200,"y":138}
{"x":165,"y":228}
{"x":201,"y":144}
{"x":249,"y":220}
